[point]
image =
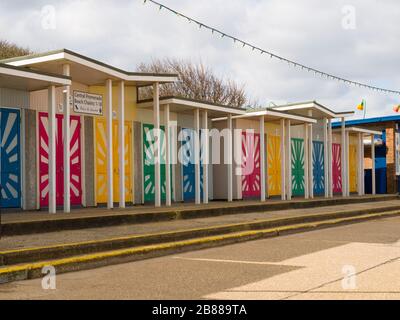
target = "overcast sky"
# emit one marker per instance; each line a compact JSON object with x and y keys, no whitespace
{"x":318,"y":33}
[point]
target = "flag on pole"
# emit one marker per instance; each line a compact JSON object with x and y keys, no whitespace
{"x":361,"y":106}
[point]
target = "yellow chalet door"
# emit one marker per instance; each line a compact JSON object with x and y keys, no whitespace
{"x":101,"y":161}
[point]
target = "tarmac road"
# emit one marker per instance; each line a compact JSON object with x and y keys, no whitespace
{"x":357,"y":261}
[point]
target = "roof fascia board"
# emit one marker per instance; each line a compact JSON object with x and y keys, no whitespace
{"x":307,"y":106}
{"x":36,"y":60}
{"x":113,"y":72}
{"x":344,"y":114}
{"x":35,"y":76}
{"x":359,"y":130}
{"x":194,"y":104}
{"x":317,"y":106}
{"x":271,"y":113}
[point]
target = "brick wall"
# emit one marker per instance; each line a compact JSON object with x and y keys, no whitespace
{"x":390,"y":156}
{"x":390,"y":159}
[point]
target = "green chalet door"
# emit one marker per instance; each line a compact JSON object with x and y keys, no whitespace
{"x":148,"y":163}
{"x":297,"y":167}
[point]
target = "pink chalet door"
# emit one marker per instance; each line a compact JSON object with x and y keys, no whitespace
{"x":75,"y":160}
{"x":337,"y":167}
{"x":251,"y":170}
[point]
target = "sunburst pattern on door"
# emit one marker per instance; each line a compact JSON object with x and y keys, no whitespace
{"x":188,"y":165}
{"x":75,"y":162}
{"x":10,"y":160}
{"x":318,"y":168}
{"x":251,"y":170}
{"x":274,"y":165}
{"x":337,"y":167}
{"x":148,"y":164}
{"x":353,"y":168}
{"x":298,"y":183}
{"x":101,"y":161}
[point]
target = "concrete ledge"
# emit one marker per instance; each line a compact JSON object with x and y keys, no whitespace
{"x":11,"y":257}
{"x":34,"y":270}
{"x":77,"y":223}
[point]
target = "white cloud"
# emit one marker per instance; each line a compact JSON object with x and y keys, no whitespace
{"x":125,"y":33}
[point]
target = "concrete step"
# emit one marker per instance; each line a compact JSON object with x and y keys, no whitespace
{"x":28,"y":263}
{"x":51,"y":223}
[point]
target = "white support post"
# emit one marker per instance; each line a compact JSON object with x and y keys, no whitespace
{"x":52,"y":148}
{"x":343,"y":156}
{"x":109,"y":138}
{"x":196,"y":149}
{"x":167,"y":156}
{"x":262,"y":158}
{"x":326,"y":173}
{"x":310,"y":155}
{"x":229,"y":160}
{"x":362,"y":166}
{"x":288,"y":161}
{"x":121,"y":146}
{"x":347,"y":163}
{"x":157,"y":143}
{"x":373,"y":164}
{"x":205,"y":143}
{"x":330,"y":158}
{"x":360,"y":159}
{"x":307,"y":161}
{"x":283,"y":161}
{"x":67,"y":142}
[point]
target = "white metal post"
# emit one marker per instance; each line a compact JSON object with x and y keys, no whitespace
{"x":326,"y":173}
{"x":205,"y":138}
{"x":360,"y":159}
{"x":330,"y":170}
{"x":288,"y":161}
{"x":67,"y":142}
{"x":373,"y":164}
{"x":283,"y":161}
{"x":310,"y":155}
{"x":109,"y":137}
{"x":347,"y":163}
{"x":262,"y":157}
{"x":343,"y":156}
{"x":196,"y":150}
{"x":229,"y":160}
{"x":307,"y":160}
{"x":167,"y":156}
{"x":52,"y":148}
{"x":121,"y":139}
{"x":157,"y":144}
{"x":362,"y":166}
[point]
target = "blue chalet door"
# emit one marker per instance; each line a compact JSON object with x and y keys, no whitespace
{"x":318,"y":168}
{"x":10,"y":158}
{"x":188,"y":166}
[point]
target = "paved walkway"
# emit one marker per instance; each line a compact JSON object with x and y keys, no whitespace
{"x":71,"y":236}
{"x":360,"y":261}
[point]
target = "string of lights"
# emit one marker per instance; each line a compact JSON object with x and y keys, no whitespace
{"x":255,"y":48}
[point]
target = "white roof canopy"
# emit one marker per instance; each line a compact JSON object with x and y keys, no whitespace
{"x":86,"y":70}
{"x":272,"y":115}
{"x":183,"y":105}
{"x":356,"y":130}
{"x":313,"y":109}
{"x":25,"y":79}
